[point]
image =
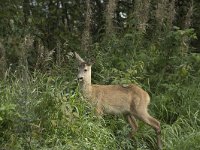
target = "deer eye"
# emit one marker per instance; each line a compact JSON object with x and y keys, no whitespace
{"x":85,"y":70}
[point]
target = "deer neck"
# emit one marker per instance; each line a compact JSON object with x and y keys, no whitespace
{"x":86,"y":88}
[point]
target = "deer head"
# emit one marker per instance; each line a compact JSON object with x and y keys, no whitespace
{"x":84,"y":70}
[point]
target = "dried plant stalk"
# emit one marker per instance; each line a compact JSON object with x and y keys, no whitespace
{"x":23,"y":54}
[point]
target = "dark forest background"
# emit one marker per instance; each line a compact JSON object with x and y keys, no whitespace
{"x":152,"y":43}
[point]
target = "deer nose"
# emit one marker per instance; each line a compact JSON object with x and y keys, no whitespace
{"x":80,"y":78}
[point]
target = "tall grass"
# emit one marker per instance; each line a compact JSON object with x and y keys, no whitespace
{"x":49,"y":113}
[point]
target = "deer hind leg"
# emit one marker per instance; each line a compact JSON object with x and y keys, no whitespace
{"x":133,"y":123}
{"x":153,"y":123}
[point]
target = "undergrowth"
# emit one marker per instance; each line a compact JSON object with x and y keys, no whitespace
{"x":49,"y":113}
{"x":46,"y":110}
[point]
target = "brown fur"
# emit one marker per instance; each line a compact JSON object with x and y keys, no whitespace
{"x":132,"y":101}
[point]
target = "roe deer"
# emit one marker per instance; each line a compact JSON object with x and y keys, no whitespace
{"x":131,"y":101}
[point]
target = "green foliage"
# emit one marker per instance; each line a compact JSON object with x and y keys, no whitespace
{"x":44,"y":109}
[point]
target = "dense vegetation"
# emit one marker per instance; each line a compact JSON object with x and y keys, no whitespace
{"x":150,"y":43}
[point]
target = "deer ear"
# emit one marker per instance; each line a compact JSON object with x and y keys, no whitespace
{"x":80,"y":60}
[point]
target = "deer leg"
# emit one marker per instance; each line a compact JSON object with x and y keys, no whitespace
{"x":133,"y":123}
{"x":153,"y":123}
{"x":156,"y":126}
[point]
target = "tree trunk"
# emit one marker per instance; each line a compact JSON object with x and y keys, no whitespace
{"x":161,"y":12}
{"x":86,"y":37}
{"x":26,"y":10}
{"x":171,"y":13}
{"x":110,"y":14}
{"x":2,"y":60}
{"x":66,"y":19}
{"x":141,"y":14}
{"x":165,"y":14}
{"x":52,"y":25}
{"x":187,"y":25}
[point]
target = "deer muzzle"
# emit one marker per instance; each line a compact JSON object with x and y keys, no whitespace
{"x":80,"y":79}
